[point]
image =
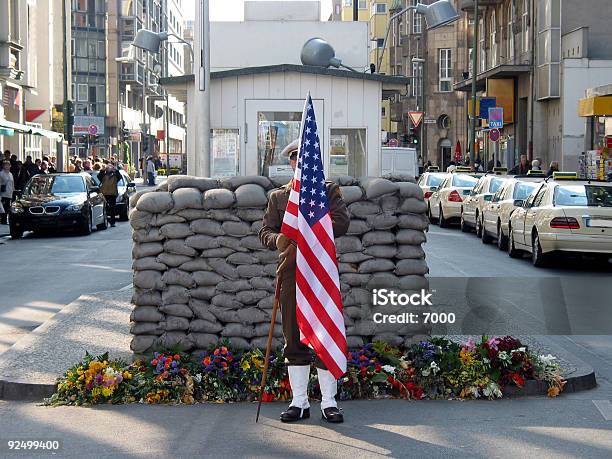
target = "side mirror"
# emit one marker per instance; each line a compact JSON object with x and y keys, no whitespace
{"x":131,"y":185}
{"x":488,"y":197}
{"x":433,"y":189}
{"x":519,"y":203}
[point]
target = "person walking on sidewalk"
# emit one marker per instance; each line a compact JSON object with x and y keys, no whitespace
{"x":151,"y":171}
{"x":7,"y":186}
{"x":109,"y":178}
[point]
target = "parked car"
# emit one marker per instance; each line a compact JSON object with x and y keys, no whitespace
{"x":473,"y":205}
{"x":125,"y":189}
{"x":562,"y":216}
{"x":56,"y":201}
{"x":446,"y":200}
{"x":429,"y":180}
{"x":496,"y":213}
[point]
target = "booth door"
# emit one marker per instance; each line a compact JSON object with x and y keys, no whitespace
{"x":270,"y":125}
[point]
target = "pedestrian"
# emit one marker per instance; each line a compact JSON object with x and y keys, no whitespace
{"x":87,"y":165}
{"x":535,"y":165}
{"x":78,"y":165}
{"x":109,"y":178}
{"x":44,"y":168}
{"x":28,"y":170}
{"x":554,"y":167}
{"x":50,"y":164}
{"x":522,"y":167}
{"x":7,"y":187}
{"x":151,"y":171}
{"x":7,"y":155}
{"x":297,"y":355}
{"x":15,"y":167}
{"x":451,"y":167}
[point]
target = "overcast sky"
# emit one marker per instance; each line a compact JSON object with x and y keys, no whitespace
{"x":232,"y":10}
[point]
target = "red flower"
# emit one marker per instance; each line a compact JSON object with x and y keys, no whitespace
{"x":223,"y":350}
{"x":378,"y":367}
{"x":154,"y":362}
{"x":518,"y":380}
{"x":230,"y":358}
{"x":216,"y":351}
{"x":363,"y":371}
{"x":177,"y":357}
{"x":266,"y":398}
{"x":363,"y":357}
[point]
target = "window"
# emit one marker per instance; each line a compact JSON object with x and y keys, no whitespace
{"x":416,"y":19}
{"x":417,"y":72}
{"x":225,"y":149}
{"x":82,"y":93}
{"x":380,"y":42}
{"x":510,"y":40}
{"x":347,"y":152}
{"x":383,"y":111}
{"x":444,"y":122}
{"x":275,"y":130}
{"x":446,"y":67}
{"x":470,"y":53}
{"x":525,"y":24}
{"x":93,"y":94}
{"x":483,"y":54}
{"x":362,"y":5}
{"x":493,"y":36}
{"x":379,"y":8}
{"x":537,"y":202}
{"x":348,"y":2}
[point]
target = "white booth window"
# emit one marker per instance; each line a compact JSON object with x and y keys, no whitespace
{"x":225,"y":152}
{"x":275,"y":130}
{"x":347,"y":152}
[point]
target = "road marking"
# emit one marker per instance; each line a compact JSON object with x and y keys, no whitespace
{"x":127,"y":287}
{"x":605,"y":408}
{"x":440,"y":233}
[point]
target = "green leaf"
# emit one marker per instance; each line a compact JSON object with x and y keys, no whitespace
{"x":379,"y":377}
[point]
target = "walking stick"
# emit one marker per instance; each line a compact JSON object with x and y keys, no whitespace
{"x":269,"y":346}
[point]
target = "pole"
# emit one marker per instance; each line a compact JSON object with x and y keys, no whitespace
{"x":269,"y":345}
{"x":391,"y":19}
{"x":201,"y":158}
{"x":474,"y":74}
{"x":355,"y":10}
{"x":59,"y":161}
{"x":145,"y":130}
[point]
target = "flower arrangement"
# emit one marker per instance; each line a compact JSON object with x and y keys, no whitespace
{"x":432,"y":369}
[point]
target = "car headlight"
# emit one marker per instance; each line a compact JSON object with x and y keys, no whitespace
{"x":16,"y":208}
{"x":74,"y":208}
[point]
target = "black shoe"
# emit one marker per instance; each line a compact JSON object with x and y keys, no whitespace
{"x":332,"y":414}
{"x":293,"y":414}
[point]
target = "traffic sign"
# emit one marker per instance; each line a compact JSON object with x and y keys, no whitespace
{"x":485,"y":104}
{"x":494,"y":135}
{"x":92,"y":129}
{"x":416,"y":118}
{"x":393,"y":143}
{"x":496,"y":117}
{"x":430,"y":121}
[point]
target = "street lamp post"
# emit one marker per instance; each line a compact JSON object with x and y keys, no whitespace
{"x":474,"y":72}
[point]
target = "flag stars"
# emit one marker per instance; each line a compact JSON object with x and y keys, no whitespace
{"x":312,"y":203}
{"x":321,"y":205}
{"x":311,"y":214}
{"x":302,"y":201}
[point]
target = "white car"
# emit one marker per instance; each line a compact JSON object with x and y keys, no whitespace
{"x":473,"y":205}
{"x":446,"y":200}
{"x":496,"y":214}
{"x":563,"y":216}
{"x":429,"y":180}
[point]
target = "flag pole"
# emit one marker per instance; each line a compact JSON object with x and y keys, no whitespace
{"x":269,"y":345}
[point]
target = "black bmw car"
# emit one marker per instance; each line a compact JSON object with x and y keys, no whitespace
{"x":55,"y":201}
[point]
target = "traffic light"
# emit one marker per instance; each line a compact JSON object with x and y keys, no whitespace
{"x":124,"y":134}
{"x":413,"y":138}
{"x":145,"y":143}
{"x":69,"y":121}
{"x":93,"y":140}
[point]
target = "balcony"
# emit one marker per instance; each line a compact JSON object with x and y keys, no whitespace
{"x":468,"y":5}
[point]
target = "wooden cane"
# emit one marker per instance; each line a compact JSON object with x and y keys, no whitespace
{"x":269,"y":346}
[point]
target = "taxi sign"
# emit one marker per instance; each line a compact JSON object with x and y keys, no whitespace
{"x":536,"y":173}
{"x":500,"y":170}
{"x":433,"y":169}
{"x":463,"y":169}
{"x":565,"y":175}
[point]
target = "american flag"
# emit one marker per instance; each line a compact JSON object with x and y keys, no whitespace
{"x":307,"y":221}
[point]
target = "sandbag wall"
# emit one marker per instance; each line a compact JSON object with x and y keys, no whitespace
{"x":201,"y":273}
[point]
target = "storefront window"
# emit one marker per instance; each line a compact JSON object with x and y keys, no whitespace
{"x":275,"y":130}
{"x":347,"y":152}
{"x":225,"y":152}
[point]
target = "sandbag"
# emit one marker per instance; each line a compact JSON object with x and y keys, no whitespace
{"x":389,"y":203}
{"x":178,"y":247}
{"x":354,"y":342}
{"x":145,"y":328}
{"x":347,"y":268}
{"x":148,"y":280}
{"x":252,"y":242}
{"x":256,"y":227}
{"x":218,"y":199}
{"x":242,"y":259}
{"x":377,"y":238}
{"x":179,"y":310}
{"x":155,"y":202}
{"x":197,"y":264}
{"x":344,"y":180}
{"x":357,"y":227}
{"x":236,"y":229}
{"x":207,"y":278}
{"x":185,"y":181}
{"x":146,"y":314}
{"x":231,"y":243}
{"x":226,"y":301}
{"x":383,"y":221}
{"x":409,"y":267}
{"x":223,"y":215}
{"x":381,"y":251}
{"x":238,"y":330}
{"x":346,"y":244}
{"x":201,"y":310}
{"x":261,"y":343}
{"x":224,"y":315}
{"x":173,"y":323}
{"x":176,"y":230}
{"x":232,"y":183}
{"x":250,"y":195}
{"x":358,"y":297}
{"x":362,"y":209}
{"x":172,"y":260}
{"x":175,"y":295}
{"x":148,"y":263}
{"x":250,"y":270}
{"x":266,"y":256}
{"x":163,"y":219}
{"x":413,"y":221}
{"x":410,"y":251}
{"x":201,"y":241}
{"x":174,"y":340}
{"x":408,"y":236}
{"x":251,"y":296}
{"x":263,"y":283}
{"x":233,"y":286}
{"x":161,"y":187}
{"x":141,"y":344}
{"x":206,"y":227}
{"x":251,"y":215}
{"x":203,"y":293}
{"x":221,"y":252}
{"x":376,"y":265}
{"x":187,"y":198}
{"x":194,"y":214}
{"x":252,"y":316}
{"x":413,"y":206}
{"x":203,"y":340}
{"x":134,"y":198}
{"x":238,"y":342}
{"x":355,"y":280}
{"x":223,"y":268}
{"x":140,"y":219}
{"x":262,"y":329}
{"x":150,"y":235}
{"x":280,"y":180}
{"x":375,"y":187}
{"x":410,"y":190}
{"x":146,"y":297}
{"x":147,"y":249}
{"x":266,"y":303}
{"x":397,"y":177}
{"x":354,"y":257}
{"x":204,"y":326}
{"x":270,"y":269}
{"x":178,"y":277}
{"x":351,"y":194}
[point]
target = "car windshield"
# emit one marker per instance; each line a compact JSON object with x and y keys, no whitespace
{"x":584,"y":195}
{"x":523,"y":189}
{"x":464,"y":181}
{"x":495,"y":184}
{"x":56,"y":184}
{"x":434,"y":180}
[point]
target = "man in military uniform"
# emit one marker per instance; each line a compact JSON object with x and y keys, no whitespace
{"x":297,"y":355}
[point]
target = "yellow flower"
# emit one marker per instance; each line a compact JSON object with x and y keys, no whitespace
{"x":245,"y":365}
{"x":467,"y":357}
{"x":553,"y":391}
{"x":107,"y":391}
{"x":127,"y":375}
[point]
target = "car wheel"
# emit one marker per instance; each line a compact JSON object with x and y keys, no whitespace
{"x":16,"y":233}
{"x":512,"y":251}
{"x":87,"y":224}
{"x":502,"y":241}
{"x":478,"y":226}
{"x":485,"y":238}
{"x":538,"y":259}
{"x":463,"y":224}
{"x":123,"y":210}
{"x":443,"y":222}
{"x":104,"y":224}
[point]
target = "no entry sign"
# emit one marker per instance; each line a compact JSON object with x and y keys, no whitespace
{"x":494,"y":135}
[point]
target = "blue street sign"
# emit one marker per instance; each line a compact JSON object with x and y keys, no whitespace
{"x":485,"y":104}
{"x":496,"y":118}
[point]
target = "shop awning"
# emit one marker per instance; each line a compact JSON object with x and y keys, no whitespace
{"x":595,"y":106}
{"x":27,"y":129}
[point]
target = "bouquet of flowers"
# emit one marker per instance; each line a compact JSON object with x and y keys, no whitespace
{"x":219,"y":376}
